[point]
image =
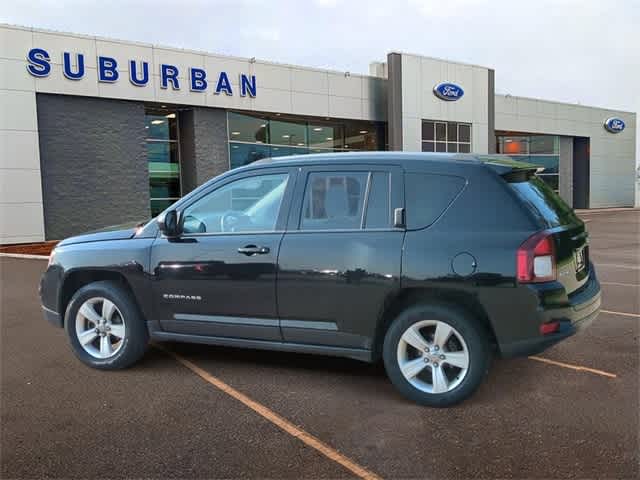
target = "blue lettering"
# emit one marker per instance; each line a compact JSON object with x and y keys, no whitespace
{"x":224,"y":84}
{"x":198,"y":82}
{"x":169,"y":73}
{"x":133,"y":73}
{"x":67,"y":66}
{"x":107,"y":69}
{"x":247,"y":85}
{"x":39,"y":65}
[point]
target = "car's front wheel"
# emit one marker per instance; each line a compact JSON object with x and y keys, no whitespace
{"x":105,"y":329}
{"x":436,"y":355}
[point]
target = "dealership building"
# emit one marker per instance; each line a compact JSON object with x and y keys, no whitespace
{"x":95,"y":131}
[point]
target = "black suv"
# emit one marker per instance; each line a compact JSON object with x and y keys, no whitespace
{"x":430,"y":262}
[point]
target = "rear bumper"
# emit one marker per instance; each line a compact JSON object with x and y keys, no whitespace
{"x":582,"y":311}
{"x":52,"y":317}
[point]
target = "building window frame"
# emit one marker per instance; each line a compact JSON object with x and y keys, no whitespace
{"x":168,"y":141}
{"x":442,"y":136}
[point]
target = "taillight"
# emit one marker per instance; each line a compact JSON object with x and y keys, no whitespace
{"x":536,"y":260}
{"x":551,"y":327}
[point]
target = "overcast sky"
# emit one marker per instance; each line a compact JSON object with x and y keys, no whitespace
{"x":582,"y":51}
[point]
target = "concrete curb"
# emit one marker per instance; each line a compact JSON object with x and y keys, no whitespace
{"x":24,"y":256}
{"x":607,"y":210}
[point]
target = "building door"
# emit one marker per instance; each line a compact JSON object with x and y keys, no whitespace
{"x":581,"y":172}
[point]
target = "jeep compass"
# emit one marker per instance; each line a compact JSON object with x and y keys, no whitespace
{"x":432,"y":263}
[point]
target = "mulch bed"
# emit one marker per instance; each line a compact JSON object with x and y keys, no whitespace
{"x":41,"y":248}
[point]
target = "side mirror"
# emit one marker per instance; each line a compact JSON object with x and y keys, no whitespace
{"x":169,"y":224}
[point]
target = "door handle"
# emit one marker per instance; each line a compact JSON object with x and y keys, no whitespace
{"x":253,"y":250}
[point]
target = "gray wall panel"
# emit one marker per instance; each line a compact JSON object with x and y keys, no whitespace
{"x":566,"y":169}
{"x":491,"y":109}
{"x":204,"y":145}
{"x":187,"y":151}
{"x":93,"y":162}
{"x":211,"y":143}
{"x":204,"y":149}
{"x":394,"y":101}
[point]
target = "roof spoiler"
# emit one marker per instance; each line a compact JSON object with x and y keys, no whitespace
{"x":509,"y":169}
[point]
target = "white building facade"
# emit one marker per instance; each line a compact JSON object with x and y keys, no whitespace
{"x":96,"y":131}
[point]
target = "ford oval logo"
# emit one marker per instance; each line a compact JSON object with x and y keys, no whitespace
{"x":448,"y":91}
{"x":614,"y":124}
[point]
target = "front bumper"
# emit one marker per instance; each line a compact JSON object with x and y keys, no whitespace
{"x":48,"y":291}
{"x":52,"y":317}
{"x":583,"y":309}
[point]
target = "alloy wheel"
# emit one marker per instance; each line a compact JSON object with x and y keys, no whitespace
{"x":433,"y":356}
{"x":100,"y":327}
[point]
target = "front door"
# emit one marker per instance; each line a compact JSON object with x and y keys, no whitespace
{"x":219,"y":277}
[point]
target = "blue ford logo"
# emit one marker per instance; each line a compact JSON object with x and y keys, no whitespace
{"x":614,"y":125}
{"x":448,"y":91}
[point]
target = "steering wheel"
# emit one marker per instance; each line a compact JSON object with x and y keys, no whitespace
{"x":231,"y":220}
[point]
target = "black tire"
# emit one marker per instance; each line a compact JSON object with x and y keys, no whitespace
{"x":474,"y":335}
{"x":136,"y":336}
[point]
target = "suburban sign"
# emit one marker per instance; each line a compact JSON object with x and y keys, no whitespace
{"x":109,"y":71}
{"x":448,"y":91}
{"x":614,"y":124}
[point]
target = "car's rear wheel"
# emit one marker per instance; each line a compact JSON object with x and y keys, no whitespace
{"x":104,"y":326}
{"x":436,"y":355}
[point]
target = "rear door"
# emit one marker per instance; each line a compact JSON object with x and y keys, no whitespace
{"x":569,"y":232}
{"x":340,"y":257}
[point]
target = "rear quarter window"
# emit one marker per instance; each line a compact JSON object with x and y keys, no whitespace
{"x":427,"y":196}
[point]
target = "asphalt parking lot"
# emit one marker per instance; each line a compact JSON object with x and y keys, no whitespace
{"x":243,"y":413}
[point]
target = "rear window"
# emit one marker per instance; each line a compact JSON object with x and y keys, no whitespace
{"x":427,"y":196}
{"x":544,"y":203}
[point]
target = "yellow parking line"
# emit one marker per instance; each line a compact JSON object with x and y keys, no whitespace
{"x":574,"y":367}
{"x":617,"y":265}
{"x":276,"y":419}
{"x":618,"y":284}
{"x":624,"y":314}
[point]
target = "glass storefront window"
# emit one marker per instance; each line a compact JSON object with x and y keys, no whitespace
{"x":252,"y":137}
{"x":162,"y":152}
{"x":288,"y":133}
{"x":161,"y":128}
{"x":245,"y":153}
{"x":326,"y":136}
{"x":544,"y":144}
{"x":277,"y":151}
{"x":245,"y":128}
{"x":360,"y":136}
{"x":542,"y":150}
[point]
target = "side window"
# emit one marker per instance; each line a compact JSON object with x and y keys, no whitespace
{"x":427,"y":196}
{"x":334,"y":200}
{"x":246,"y":205}
{"x":378,"y":213}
